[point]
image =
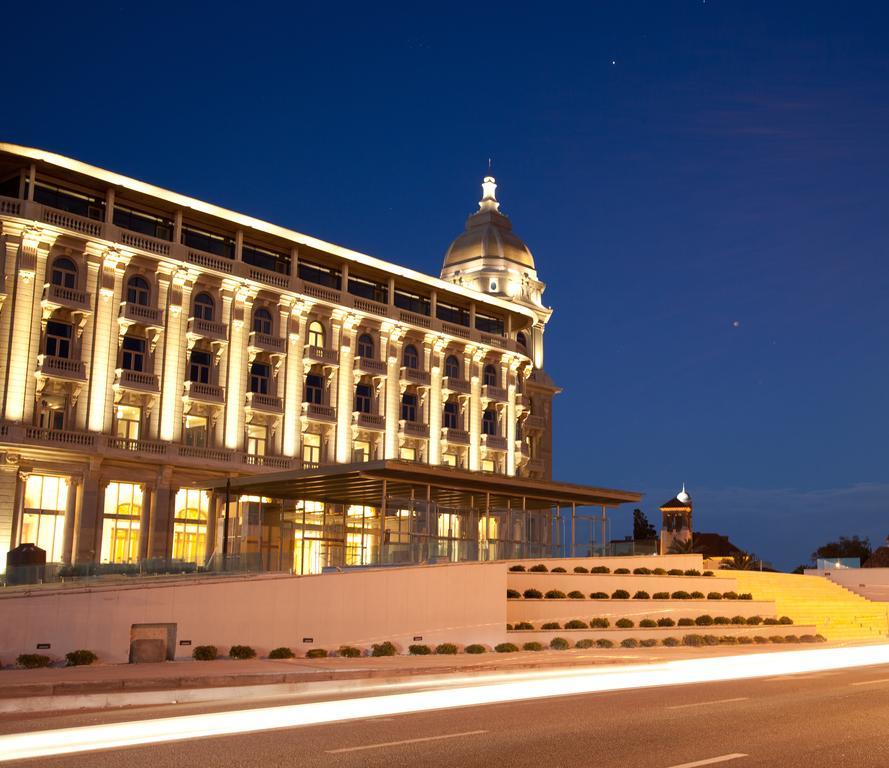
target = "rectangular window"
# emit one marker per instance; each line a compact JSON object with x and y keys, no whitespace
{"x":314,"y":389}
{"x":409,"y":407}
{"x":264,"y":258}
{"x":406,"y":453}
{"x":486,"y":324}
{"x":142,"y":222}
{"x":257,"y":435}
{"x":451,"y":415}
{"x":360,"y":451}
{"x":364,"y":398}
{"x":199,"y":368}
{"x":311,"y":448}
{"x":315,"y":273}
{"x":260,"y":376}
{"x":367,"y":289}
{"x":190,"y":525}
{"x":128,"y":421}
{"x":58,"y":339}
{"x":194,"y":432}
{"x":419,"y":305}
{"x":52,"y":417}
{"x":221,"y":245}
{"x":43,"y":516}
{"x":69,"y":200}
{"x":488,"y":465}
{"x":133,"y":354}
{"x":121,"y":523}
{"x":453,"y":315}
{"x":449,"y":459}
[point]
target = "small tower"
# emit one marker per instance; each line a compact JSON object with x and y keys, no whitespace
{"x":676,"y":521}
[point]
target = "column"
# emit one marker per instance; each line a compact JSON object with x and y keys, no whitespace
{"x":345,"y":390}
{"x":88,"y":522}
{"x":435,"y":406}
{"x":175,"y":351}
{"x":236,"y":374}
{"x":160,"y":529}
{"x":510,"y":366}
{"x":294,"y":379}
{"x":472,"y":361}
{"x":9,"y":505}
{"x":105,"y":341}
{"x":70,"y":518}
{"x":391,"y":339}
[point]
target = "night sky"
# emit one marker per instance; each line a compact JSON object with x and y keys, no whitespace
{"x":704,"y":186}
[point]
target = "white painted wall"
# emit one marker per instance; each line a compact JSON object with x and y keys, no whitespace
{"x":872,"y":583}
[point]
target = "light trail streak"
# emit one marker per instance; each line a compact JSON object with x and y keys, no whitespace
{"x":520,"y":686}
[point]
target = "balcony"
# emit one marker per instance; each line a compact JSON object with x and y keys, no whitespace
{"x":535,"y":423}
{"x":204,"y":454}
{"x":522,"y":450}
{"x":56,"y":296}
{"x":454,"y":436}
{"x":452,"y":384}
{"x":60,"y":437}
{"x":150,"y":447}
{"x":319,"y":355}
{"x":318,"y":412}
{"x":129,"y":313}
{"x":369,"y":306}
{"x":266,"y":343}
{"x":61,"y":368}
{"x":267,"y":276}
{"x":210,"y":261}
{"x":370,"y":366}
{"x":145,"y":242}
{"x":136,"y":381}
{"x":66,"y":220}
{"x":265,"y":403}
{"x":535,"y":465}
{"x":413,"y":429}
{"x":374,"y":421}
{"x":272,"y":462}
{"x":207,"y":329}
{"x":205,"y":393}
{"x":494,"y":442}
{"x":415,"y":376}
{"x":490,"y":392}
{"x":522,"y":401}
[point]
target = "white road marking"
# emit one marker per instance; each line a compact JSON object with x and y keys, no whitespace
{"x":406,"y":741}
{"x":711,"y":760}
{"x":872,"y":682}
{"x":708,"y":703}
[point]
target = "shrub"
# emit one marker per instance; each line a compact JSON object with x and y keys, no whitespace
{"x":513,"y":594}
{"x":728,"y":640}
{"x":532,"y":594}
{"x":204,"y":653}
{"x":648,"y":623}
{"x":785,"y":620}
{"x":708,"y":573}
{"x":661,"y":596}
{"x":559,"y":644}
{"x":820,"y":639}
{"x":649,"y":642}
{"x":524,"y":625}
{"x":745,"y":640}
{"x":621,"y":570}
{"x":660,"y":571}
{"x":600,"y":569}
{"x":286,"y":653}
{"x":517,"y":568}
{"x":674,"y":572}
{"x":714,"y":595}
{"x":697,"y":595}
{"x":539,"y":568}
{"x":629,"y":642}
{"x":555,"y":594}
{"x":729,"y":595}
{"x":704,"y":621}
{"x":601,"y":623}
{"x":349,"y":652}
{"x":624,"y":623}
{"x":506,"y":648}
{"x":598,"y":595}
{"x":666,"y":621}
{"x":241,"y":652}
{"x":807,"y":639}
{"x":551,"y":625}
{"x":559,"y":569}
{"x":575,"y":624}
{"x":604,"y":642}
{"x":384,"y":649}
{"x":33,"y":660}
{"x":671,"y":642}
{"x":446,"y":649}
{"x":745,"y":596}
{"x":738,"y":620}
{"x":692,"y":572}
{"x":770,"y":621}
{"x":711,"y":640}
{"x":576,"y":594}
{"x":477,"y":648}
{"x":681,"y":595}
{"x":532,"y":646}
{"x":620,"y":594}
{"x":642,"y":595}
{"x":791,"y":639}
{"x":508,"y":627}
{"x":693,"y":640}
{"x":419,"y":650}
{"x":585,"y":643}
{"x":312,"y":653}
{"x":754,"y":620}
{"x":760,"y":640}
{"x":722,"y":620}
{"x":642,"y":571}
{"x":776,"y":639}
{"x":80,"y":658}
{"x":580,"y":569}
{"x":686,"y":622}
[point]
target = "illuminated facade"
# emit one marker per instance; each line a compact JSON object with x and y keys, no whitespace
{"x":152,"y":344}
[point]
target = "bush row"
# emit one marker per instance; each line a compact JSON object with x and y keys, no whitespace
{"x":78,"y":658}
{"x":704,"y":620}
{"x":541,"y":568}
{"x":622,"y":594}
{"x":211,"y":652}
{"x":561,"y":644}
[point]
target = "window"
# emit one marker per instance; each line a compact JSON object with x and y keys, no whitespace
{"x":360,"y":450}
{"x":407,"y":453}
{"x":221,"y":245}
{"x":68,"y":200}
{"x":58,"y":339}
{"x":450,"y":314}
{"x":146,"y":223}
{"x":314,"y":389}
{"x":409,"y":406}
{"x":364,"y":398}
{"x":488,"y":324}
{"x":264,"y":258}
{"x":257,"y":435}
{"x":190,"y":515}
{"x":451,"y":415}
{"x":121,"y":522}
{"x":522,"y":340}
{"x":452,"y":367}
{"x":315,"y":273}
{"x":260,"y":376}
{"x":311,"y":448}
{"x":410,"y":358}
{"x":488,"y":465}
{"x":489,"y":422}
{"x":377,"y":292}
{"x":133,"y":354}
{"x":194,"y":432}
{"x":412,"y":303}
{"x":316,"y":334}
{"x":449,"y":460}
{"x":43,"y":516}
{"x":490,"y":375}
{"x":365,"y":346}
{"x":128,"y":421}
{"x":52,"y":417}
{"x":138,"y":291}
{"x":262,"y":321}
{"x":204,"y":306}
{"x":64,"y":273}
{"x":199,"y":366}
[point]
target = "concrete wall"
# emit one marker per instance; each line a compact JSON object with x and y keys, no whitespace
{"x":538,"y":611}
{"x":872,"y":583}
{"x":609,"y":582}
{"x":685,"y":562}
{"x":462,"y":603}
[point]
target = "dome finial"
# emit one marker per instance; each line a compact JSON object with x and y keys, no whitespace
{"x":683,"y":495}
{"x":489,"y":192}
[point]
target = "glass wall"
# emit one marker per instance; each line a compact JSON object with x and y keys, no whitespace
{"x":121,"y":523}
{"x":43,"y":516}
{"x":190,"y":516}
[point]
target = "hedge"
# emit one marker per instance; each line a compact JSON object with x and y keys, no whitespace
{"x":642,"y":595}
{"x":642,"y":571}
{"x":681,"y":595}
{"x":598,"y":595}
{"x":555,"y":594}
{"x":674,"y":572}
{"x":446,"y":649}
{"x":659,"y":572}
{"x":539,"y":568}
{"x":622,"y":570}
{"x":286,"y":653}
{"x":524,"y":625}
{"x":532,"y":594}
{"x":604,"y":642}
{"x":241,"y":652}
{"x":80,"y":658}
{"x":661,"y":596}
{"x":384,"y":649}
{"x":600,"y":623}
{"x":648,"y":642}
{"x":620,"y":594}
{"x":576,"y":594}
{"x":33,"y":660}
{"x":575,"y":624}
{"x":205,"y":653}
{"x":671,"y":642}
{"x":506,"y":648}
{"x":585,"y":643}
{"x":517,"y":568}
{"x":476,"y":648}
{"x":513,"y":594}
{"x":419,"y":650}
{"x":559,"y":644}
{"x":559,"y":569}
{"x":697,"y":595}
{"x":349,"y":652}
{"x":600,"y":569}
{"x":551,"y":625}
{"x":722,"y":620}
{"x":666,"y":621}
{"x":629,"y":642}
{"x":532,"y":646}
{"x":686,"y":622}
{"x":692,"y":572}
{"x":648,"y":623}
{"x":714,"y":595}
{"x":312,"y":653}
{"x":624,"y":623}
{"x":580,"y":569}
{"x":704,"y":621}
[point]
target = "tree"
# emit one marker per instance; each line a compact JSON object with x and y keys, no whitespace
{"x":844,"y":547}
{"x":683,"y":547}
{"x":741,"y":561}
{"x":642,"y":529}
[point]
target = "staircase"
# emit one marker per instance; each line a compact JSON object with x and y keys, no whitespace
{"x":837,"y":613}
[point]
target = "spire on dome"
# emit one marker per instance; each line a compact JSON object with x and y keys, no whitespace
{"x":683,"y":495}
{"x":489,"y":195}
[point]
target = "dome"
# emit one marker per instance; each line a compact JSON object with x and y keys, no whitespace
{"x":683,"y":495}
{"x":488,"y":236}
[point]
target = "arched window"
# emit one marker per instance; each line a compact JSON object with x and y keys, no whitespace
{"x":490,"y":375}
{"x":138,"y":291}
{"x":204,"y":306}
{"x":452,"y":367}
{"x":314,"y":389}
{"x":409,"y":406}
{"x":133,"y":354}
{"x":410,"y":358}
{"x":363,"y":398}
{"x":260,"y":377}
{"x":316,"y":334}
{"x":489,"y":422}
{"x":57,"y":342}
{"x":365,"y":346}
{"x":262,"y":321}
{"x":451,"y":415}
{"x":522,"y":340}
{"x":64,"y":273}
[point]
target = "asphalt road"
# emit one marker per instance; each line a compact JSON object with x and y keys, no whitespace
{"x":838,"y":718}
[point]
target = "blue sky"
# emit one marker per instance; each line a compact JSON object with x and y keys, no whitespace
{"x":703,"y":185}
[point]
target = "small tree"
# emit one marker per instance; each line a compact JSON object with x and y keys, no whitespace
{"x":642,"y":529}
{"x":844,"y":547}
